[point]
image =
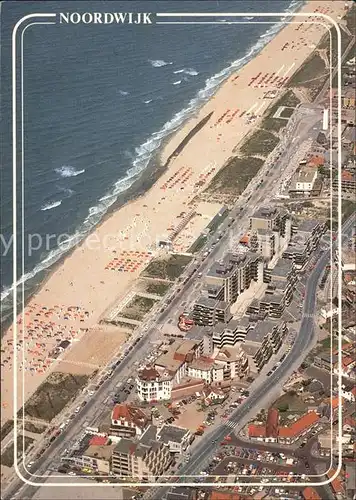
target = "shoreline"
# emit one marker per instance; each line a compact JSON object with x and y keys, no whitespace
{"x":146,"y":180}
{"x":158,"y":206}
{"x":143,"y":183}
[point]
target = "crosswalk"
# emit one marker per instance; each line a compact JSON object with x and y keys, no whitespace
{"x":230,"y":424}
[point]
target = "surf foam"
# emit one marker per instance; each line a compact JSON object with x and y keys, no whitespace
{"x":68,"y":171}
{"x":144,"y":151}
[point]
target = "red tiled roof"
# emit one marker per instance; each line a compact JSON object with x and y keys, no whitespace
{"x":335,"y":402}
{"x":219,"y":495}
{"x":297,"y":427}
{"x":347,"y":360}
{"x":256,"y":430}
{"x":149,"y":374}
{"x":272,"y":423}
{"x":316,"y":161}
{"x":130,"y":414}
{"x":347,"y":176}
{"x":310,"y":494}
{"x":336,"y":483}
{"x":98,"y":441}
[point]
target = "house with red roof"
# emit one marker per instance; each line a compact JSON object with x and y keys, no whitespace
{"x":271,"y":432}
{"x":310,"y":493}
{"x":336,"y":484}
{"x":299,"y":428}
{"x":128,"y":421}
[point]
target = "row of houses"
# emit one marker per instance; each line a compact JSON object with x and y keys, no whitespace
{"x":289,"y":434}
{"x":210,"y":355}
{"x":133,"y":447}
{"x":188,"y":366}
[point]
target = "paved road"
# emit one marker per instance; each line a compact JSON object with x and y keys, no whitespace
{"x":206,"y":449}
{"x":143,"y":346}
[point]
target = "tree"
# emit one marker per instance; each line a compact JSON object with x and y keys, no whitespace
{"x":283,"y":407}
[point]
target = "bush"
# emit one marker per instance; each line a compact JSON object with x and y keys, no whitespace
{"x":283,"y":407}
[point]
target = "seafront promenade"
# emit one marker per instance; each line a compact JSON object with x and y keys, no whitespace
{"x":74,"y":298}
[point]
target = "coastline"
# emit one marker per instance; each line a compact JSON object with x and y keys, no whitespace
{"x":143,"y":182}
{"x":74,"y":265}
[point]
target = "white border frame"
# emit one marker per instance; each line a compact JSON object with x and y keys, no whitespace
{"x":14,"y":150}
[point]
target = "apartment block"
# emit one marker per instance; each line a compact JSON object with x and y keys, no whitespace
{"x":234,"y":274}
{"x":304,"y":242}
{"x":304,"y":183}
{"x":230,"y":334}
{"x":273,"y":219}
{"x":183,"y":365}
{"x":265,"y":242}
{"x":97,"y":456}
{"x":262,"y":342}
{"x":144,"y":460}
{"x":282,"y":279}
{"x":208,"y":312}
{"x":153,"y":386}
{"x":348,"y":181}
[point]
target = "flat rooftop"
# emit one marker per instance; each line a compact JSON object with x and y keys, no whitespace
{"x":250,"y":349}
{"x":101,"y":452}
{"x":171,"y":433}
{"x":282,"y":268}
{"x":272,"y":298}
{"x":261,"y":329}
{"x":199,"y":332}
{"x":265,"y":213}
{"x":308,"y":225}
{"x":211,"y":303}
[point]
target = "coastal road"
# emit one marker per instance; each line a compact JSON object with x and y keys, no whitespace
{"x":208,"y":446}
{"x":302,"y":128}
{"x":143,"y":346}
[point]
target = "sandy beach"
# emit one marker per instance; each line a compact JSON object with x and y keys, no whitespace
{"x":98,"y":274}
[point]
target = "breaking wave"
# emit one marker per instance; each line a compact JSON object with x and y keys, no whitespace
{"x":68,"y":171}
{"x":144,"y":152}
{"x":51,"y":205}
{"x":158,"y":63}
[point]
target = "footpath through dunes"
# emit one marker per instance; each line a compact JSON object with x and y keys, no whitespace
{"x":99,"y":272}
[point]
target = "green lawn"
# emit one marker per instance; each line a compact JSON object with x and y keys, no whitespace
{"x":260,"y":143}
{"x":54,"y":394}
{"x":167,"y":268}
{"x":235,"y":176}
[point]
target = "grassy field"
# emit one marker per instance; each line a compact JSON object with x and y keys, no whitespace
{"x":311,"y":75}
{"x":54,"y":394}
{"x":217,"y":221}
{"x":137,"y":308}
{"x":288,"y":99}
{"x":169,"y":268}
{"x":286,"y":112}
{"x":235,"y":176}
{"x":122,"y":324}
{"x":198,"y":244}
{"x":158,"y":287}
{"x":6,"y":428}
{"x":35,"y":428}
{"x":260,"y":143}
{"x":7,"y":457}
